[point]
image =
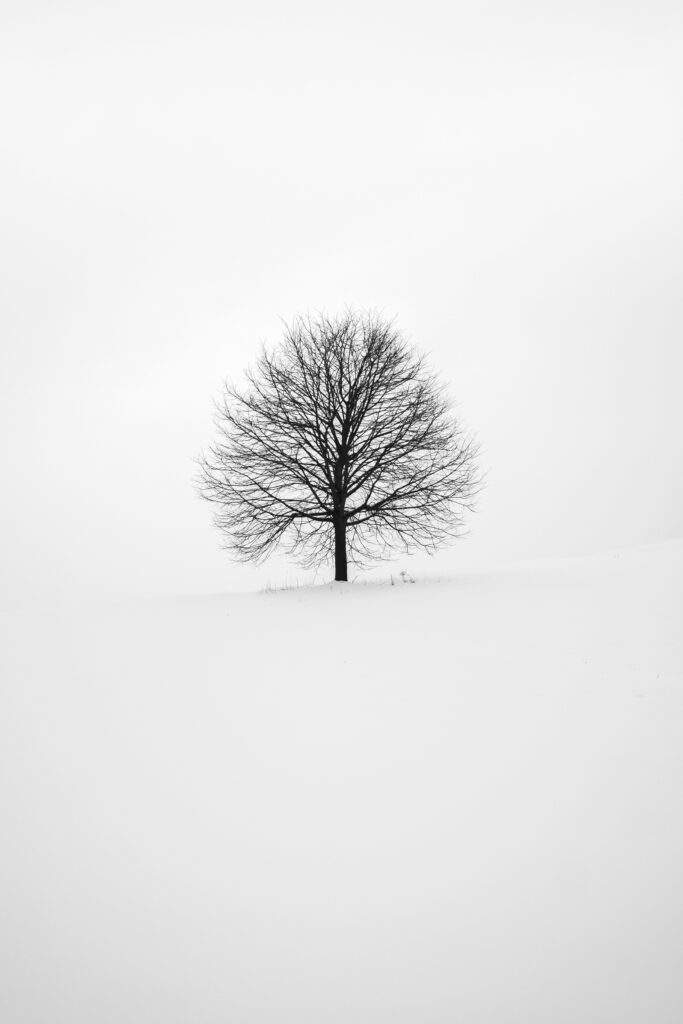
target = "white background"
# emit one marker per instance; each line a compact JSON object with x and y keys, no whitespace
{"x":454,"y":801}
{"x":505,"y":179}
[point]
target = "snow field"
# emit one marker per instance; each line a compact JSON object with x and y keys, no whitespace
{"x":458,"y":800}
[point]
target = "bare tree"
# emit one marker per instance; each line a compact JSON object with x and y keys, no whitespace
{"x":343,"y":444}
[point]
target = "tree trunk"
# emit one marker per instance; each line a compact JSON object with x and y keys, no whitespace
{"x":340,"y":567}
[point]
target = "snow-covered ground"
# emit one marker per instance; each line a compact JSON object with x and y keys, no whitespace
{"x":453,"y":801}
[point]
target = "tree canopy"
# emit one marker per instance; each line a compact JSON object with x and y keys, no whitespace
{"x":343,"y":445}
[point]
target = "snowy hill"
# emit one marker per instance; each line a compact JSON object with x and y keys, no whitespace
{"x":453,"y":801}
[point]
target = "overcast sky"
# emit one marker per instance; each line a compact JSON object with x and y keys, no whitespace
{"x":503,"y":178}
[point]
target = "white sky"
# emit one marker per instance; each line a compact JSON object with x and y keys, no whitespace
{"x":504,"y":178}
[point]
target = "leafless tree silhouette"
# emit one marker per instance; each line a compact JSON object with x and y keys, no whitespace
{"x":342,"y":445}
